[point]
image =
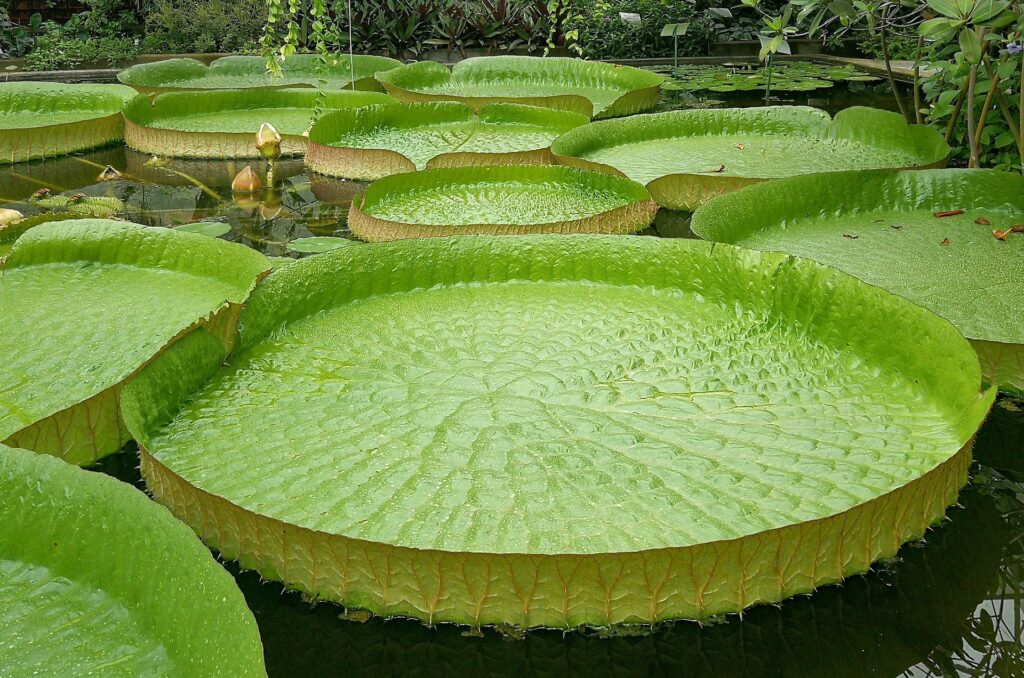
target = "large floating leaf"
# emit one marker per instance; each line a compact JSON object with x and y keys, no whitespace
{"x":224,"y":124}
{"x":84,"y":304}
{"x":881,"y":227}
{"x":96,"y":579}
{"x":250,"y":72}
{"x":786,"y":76}
{"x":587,"y":87}
{"x":688,"y":157}
{"x":499,"y":200}
{"x":45,"y":120}
{"x":555,"y":431}
{"x":370,"y":143}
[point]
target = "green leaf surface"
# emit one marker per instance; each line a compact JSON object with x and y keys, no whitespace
{"x":426,"y":134}
{"x":250,"y":72}
{"x":788,"y":76}
{"x":96,"y":579}
{"x":84,"y":304}
{"x":318,"y":244}
{"x":881,"y":227}
{"x":499,"y":199}
{"x":562,"y":430}
{"x":45,"y":120}
{"x":587,"y":87}
{"x":686,"y":157}
{"x":222,"y":124}
{"x":214,"y":229}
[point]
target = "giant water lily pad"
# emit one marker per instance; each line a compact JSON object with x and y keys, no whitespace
{"x":96,"y":579}
{"x":224,"y":124}
{"x":84,"y":304}
{"x":587,"y":87}
{"x":688,"y":157}
{"x":46,"y":120}
{"x":785,"y":76}
{"x":556,"y":431}
{"x":370,"y":143}
{"x":882,"y":227}
{"x":250,"y":72}
{"x":499,"y":200}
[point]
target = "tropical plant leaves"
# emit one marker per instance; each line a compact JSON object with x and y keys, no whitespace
{"x":373,"y":142}
{"x":223,"y":124}
{"x":586,"y":87}
{"x":627,"y":362}
{"x":897,"y":223}
{"x":250,"y":72}
{"x":687,"y":157}
{"x":214,"y":229}
{"x":499,"y":200}
{"x":84,"y":304}
{"x":787,"y":76}
{"x":46,"y":120}
{"x":96,"y":579}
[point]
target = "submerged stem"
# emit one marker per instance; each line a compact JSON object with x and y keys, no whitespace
{"x":972,"y":81}
{"x":987,"y":106}
{"x":918,"y":116}
{"x":954,"y":117}
{"x":888,"y":68}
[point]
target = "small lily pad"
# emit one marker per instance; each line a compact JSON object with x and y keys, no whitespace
{"x":214,"y":229}
{"x":318,"y":244}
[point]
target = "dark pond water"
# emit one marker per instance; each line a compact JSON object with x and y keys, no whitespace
{"x":950,"y":605}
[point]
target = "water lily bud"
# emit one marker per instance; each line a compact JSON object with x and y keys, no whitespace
{"x":268,"y":141}
{"x":108,"y":174}
{"x":9,"y":215}
{"x":246,"y":181}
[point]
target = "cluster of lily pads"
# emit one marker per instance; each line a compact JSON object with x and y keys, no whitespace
{"x":532,"y":421}
{"x":785,"y":76}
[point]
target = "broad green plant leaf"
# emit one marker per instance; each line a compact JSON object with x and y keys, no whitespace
{"x":561,"y":430}
{"x":970,"y":45}
{"x":96,"y":579}
{"x":590,"y":88}
{"x":685,"y":158}
{"x":223,"y":124}
{"x":46,"y":120}
{"x":939,"y":28}
{"x":881,"y":227}
{"x":374,"y":142}
{"x":11,"y":231}
{"x":250,"y":72}
{"x":84,"y":304}
{"x":947,"y":8}
{"x":500,"y":199}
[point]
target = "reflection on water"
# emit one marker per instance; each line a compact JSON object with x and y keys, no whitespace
{"x":948,"y":605}
{"x":170,"y":192}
